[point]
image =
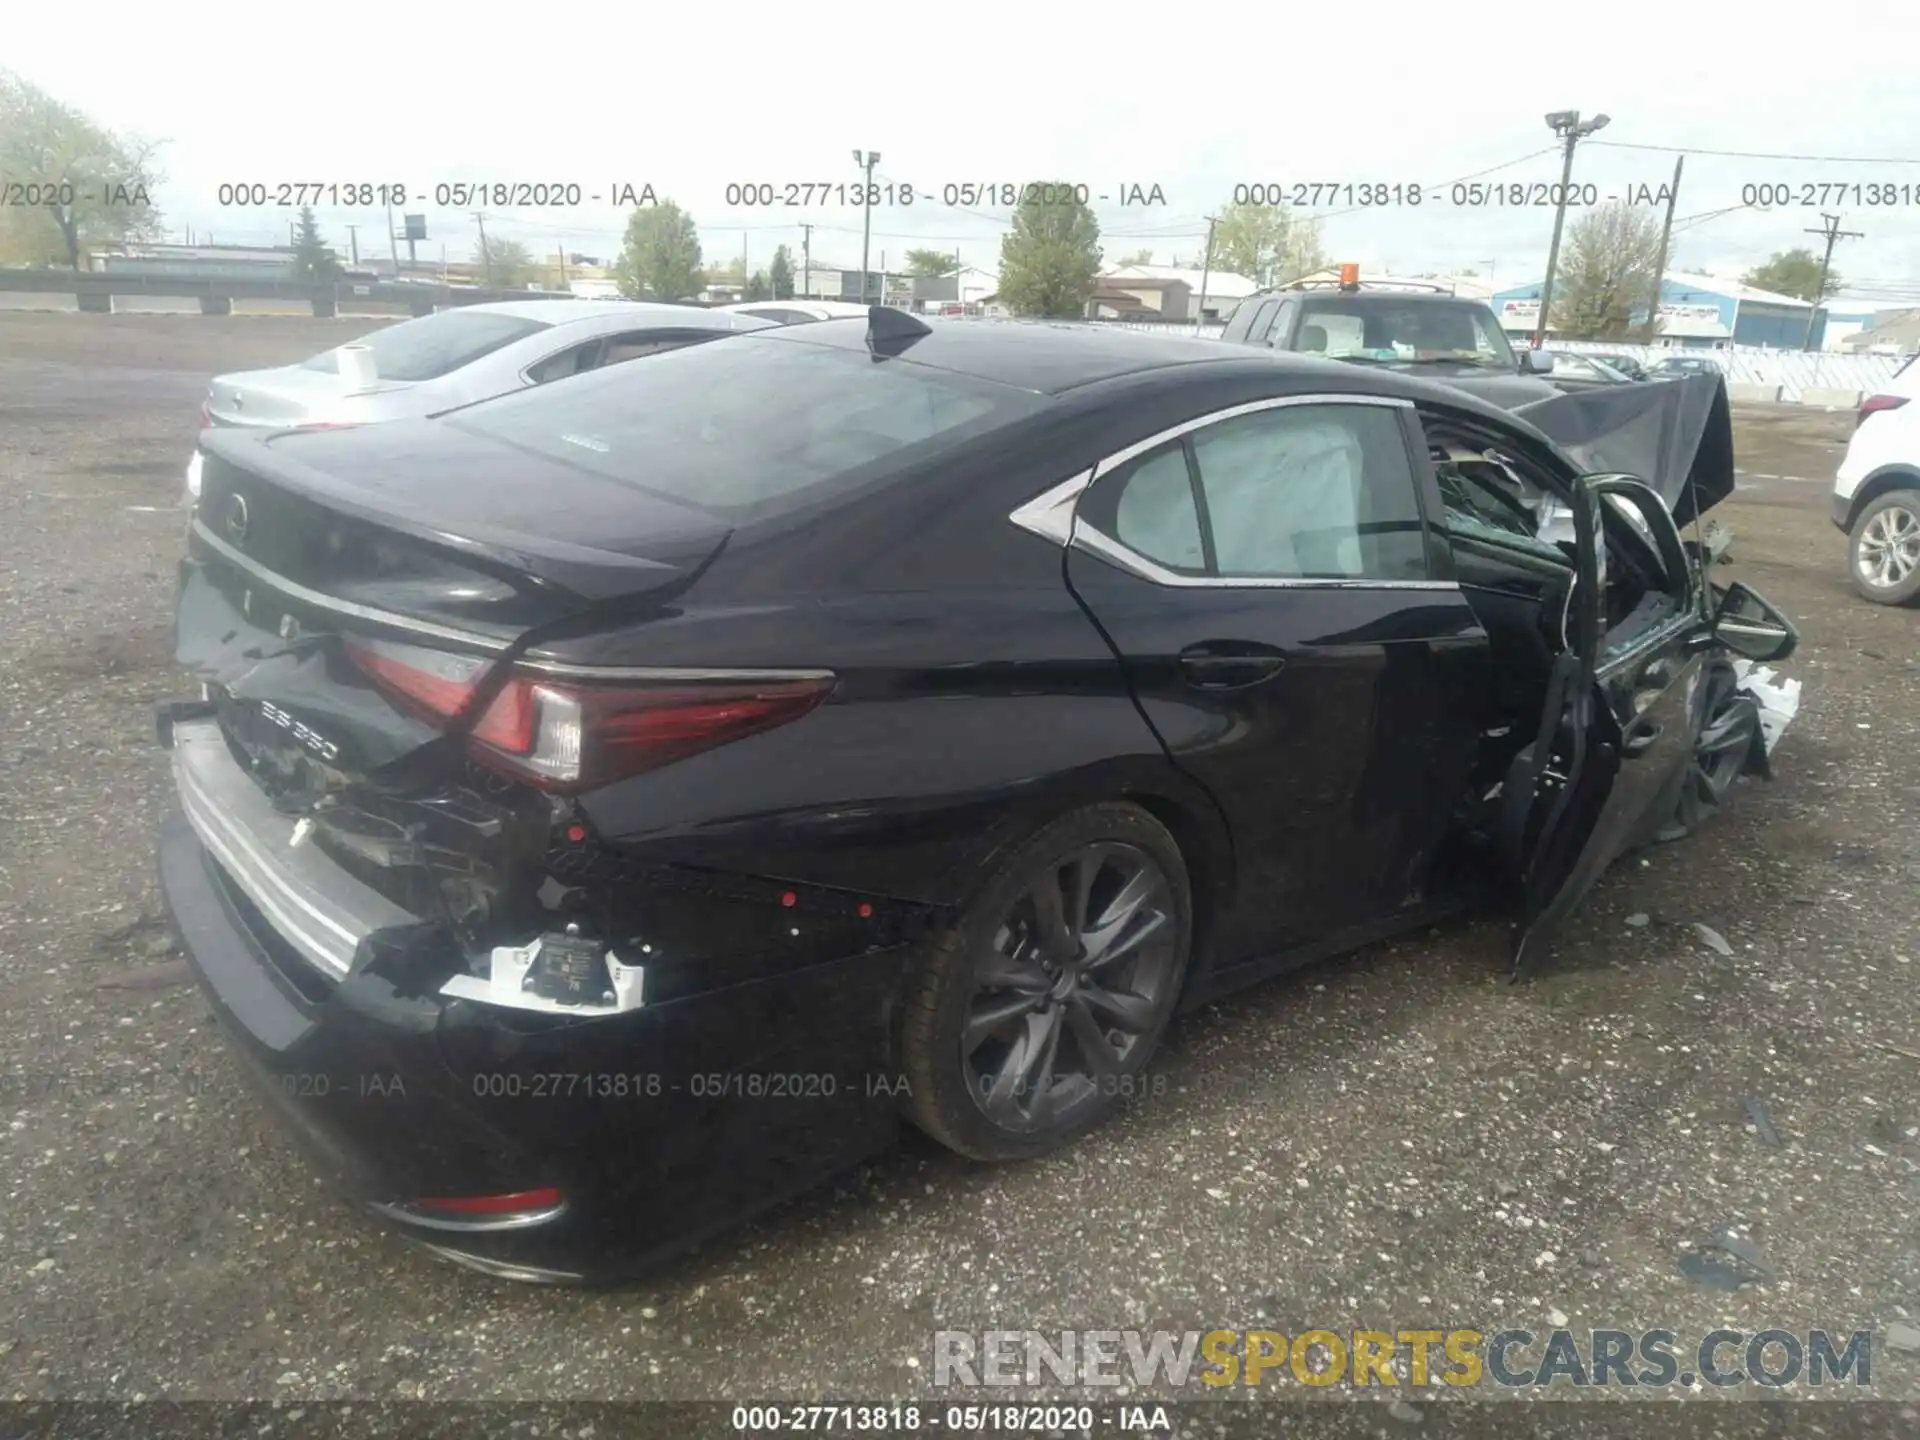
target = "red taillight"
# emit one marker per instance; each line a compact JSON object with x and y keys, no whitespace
{"x":1873,"y":404}
{"x":520,"y":1202}
{"x":568,"y":735}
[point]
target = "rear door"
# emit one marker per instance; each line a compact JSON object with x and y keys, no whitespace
{"x":1264,"y":575}
{"x":1621,"y":710}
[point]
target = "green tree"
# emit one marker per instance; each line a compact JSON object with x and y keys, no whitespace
{"x":505,"y":264}
{"x":1266,"y":243}
{"x":928,"y":263}
{"x":660,"y":255}
{"x":780,"y":273}
{"x":1793,"y":272}
{"x":1138,"y":257}
{"x":1606,"y":272}
{"x":313,"y":259}
{"x":760,"y":287}
{"x":101,"y":182}
{"x":1050,"y":264}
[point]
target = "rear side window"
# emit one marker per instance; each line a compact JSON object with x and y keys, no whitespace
{"x":1155,"y":512}
{"x":1312,"y":492}
{"x":757,"y":424}
{"x":1295,"y":492}
{"x":436,"y":345}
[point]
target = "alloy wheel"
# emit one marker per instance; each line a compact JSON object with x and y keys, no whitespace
{"x":1720,"y":752}
{"x":1075,"y":986}
{"x":1889,"y":548}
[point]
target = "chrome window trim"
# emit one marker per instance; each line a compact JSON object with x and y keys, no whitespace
{"x":1052,"y":514}
{"x":319,"y":601}
{"x":561,"y":670}
{"x":1098,"y":544}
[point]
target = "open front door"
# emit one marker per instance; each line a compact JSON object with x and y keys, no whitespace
{"x":1621,"y":710}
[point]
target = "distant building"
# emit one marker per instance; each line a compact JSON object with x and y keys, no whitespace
{"x":966,"y":287}
{"x":1893,"y":332}
{"x":836,"y":282}
{"x":1697,"y":312}
{"x":1207,"y":295}
{"x":197,"y":262}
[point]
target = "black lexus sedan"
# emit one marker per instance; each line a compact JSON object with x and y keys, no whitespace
{"x":615,"y":807}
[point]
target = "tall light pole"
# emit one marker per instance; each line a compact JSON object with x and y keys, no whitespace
{"x":1568,"y":125}
{"x":866,"y":160}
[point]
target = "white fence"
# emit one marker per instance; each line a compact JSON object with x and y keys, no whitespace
{"x":1794,"y":371}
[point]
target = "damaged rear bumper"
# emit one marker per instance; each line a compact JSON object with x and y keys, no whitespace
{"x":657,"y":1125}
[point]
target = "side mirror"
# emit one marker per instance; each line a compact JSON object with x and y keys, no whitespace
{"x":1536,"y":362}
{"x":1746,"y":623}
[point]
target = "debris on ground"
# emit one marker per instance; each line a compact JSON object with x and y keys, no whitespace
{"x":1756,"y":1109}
{"x":1725,"y":1261}
{"x":1713,"y":939}
{"x":1779,"y":700}
{"x":1904,"y":1339}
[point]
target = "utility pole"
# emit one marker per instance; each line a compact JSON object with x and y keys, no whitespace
{"x":1568,"y":125}
{"x":393,"y":245}
{"x":1833,"y":232}
{"x":868,"y":160}
{"x":1660,"y":265}
{"x":806,"y":262}
{"x":1206,"y":272}
{"x":563,"y":265}
{"x":486,"y":255}
{"x":353,"y":244}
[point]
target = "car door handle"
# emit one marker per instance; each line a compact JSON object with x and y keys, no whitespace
{"x":1640,"y":739}
{"x":1230,"y":665}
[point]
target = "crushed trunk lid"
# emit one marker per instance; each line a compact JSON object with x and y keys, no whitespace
{"x":1677,"y":435}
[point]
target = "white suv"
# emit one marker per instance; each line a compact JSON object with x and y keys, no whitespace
{"x":1876,"y":494}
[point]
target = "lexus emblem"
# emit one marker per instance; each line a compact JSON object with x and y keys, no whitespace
{"x":237,"y":519}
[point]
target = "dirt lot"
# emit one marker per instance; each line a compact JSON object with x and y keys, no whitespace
{"x":1392,"y":1138}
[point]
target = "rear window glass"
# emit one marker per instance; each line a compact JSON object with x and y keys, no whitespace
{"x":750,"y":424}
{"x":436,"y":345}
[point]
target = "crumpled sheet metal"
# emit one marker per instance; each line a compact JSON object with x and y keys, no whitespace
{"x":1777,"y":697}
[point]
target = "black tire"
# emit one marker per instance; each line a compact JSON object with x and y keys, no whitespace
{"x":1728,"y":746}
{"x":1890,"y":522}
{"x":966,"y":1069}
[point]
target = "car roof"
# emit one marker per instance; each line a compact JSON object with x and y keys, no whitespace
{"x":1043,"y":356}
{"x":830,"y":309}
{"x":558,"y":312}
{"x":1053,"y":357}
{"x":1385,"y":292}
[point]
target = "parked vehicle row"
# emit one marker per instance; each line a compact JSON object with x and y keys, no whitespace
{"x":670,"y":780}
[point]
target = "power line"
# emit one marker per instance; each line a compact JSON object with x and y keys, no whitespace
{"x":1764,"y":155}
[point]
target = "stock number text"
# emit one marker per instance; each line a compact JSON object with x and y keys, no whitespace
{"x":294,"y":193}
{"x":800,"y":194}
{"x":1310,"y":194}
{"x":1813,"y":193}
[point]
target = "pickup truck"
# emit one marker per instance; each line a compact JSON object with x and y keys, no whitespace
{"x":1420,"y":331}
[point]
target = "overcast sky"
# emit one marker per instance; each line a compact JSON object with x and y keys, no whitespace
{"x":1194,"y":99}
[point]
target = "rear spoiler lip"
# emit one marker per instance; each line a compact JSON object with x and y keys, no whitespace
{"x":583,"y":571}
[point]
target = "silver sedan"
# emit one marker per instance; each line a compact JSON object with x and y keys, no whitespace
{"x":455,"y":357}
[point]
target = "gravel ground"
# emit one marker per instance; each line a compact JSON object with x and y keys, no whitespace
{"x":1392,"y":1138}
